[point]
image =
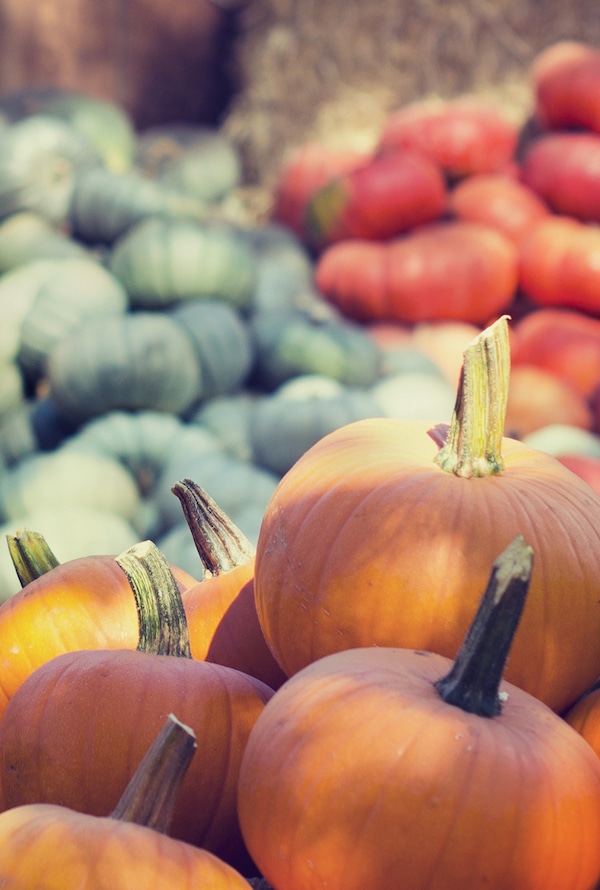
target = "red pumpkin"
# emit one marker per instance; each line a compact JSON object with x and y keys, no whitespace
{"x":564,"y":341}
{"x":375,"y":537}
{"x":566,"y":85}
{"x":454,"y":270}
{"x":497,"y":200}
{"x":558,"y":264}
{"x":462,"y":136}
{"x":387,"y":195}
{"x":563,"y":169}
{"x":585,"y":466}
{"x":538,"y":397}
{"x":307,"y":169}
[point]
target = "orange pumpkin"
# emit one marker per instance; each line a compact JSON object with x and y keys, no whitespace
{"x":220,"y":610}
{"x":44,"y":845}
{"x":77,"y":727}
{"x":383,"y":532}
{"x":381,"y":767}
{"x":85,"y":603}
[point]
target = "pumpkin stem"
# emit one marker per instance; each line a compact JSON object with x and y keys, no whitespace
{"x":474,"y":680}
{"x":31,"y":555}
{"x":473,"y":445}
{"x":151,"y":794}
{"x":161,"y":614}
{"x":221,"y":545}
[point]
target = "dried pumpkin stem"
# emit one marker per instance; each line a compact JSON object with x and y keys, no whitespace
{"x":151,"y":794}
{"x":220,"y":544}
{"x":473,"y":446}
{"x":161,"y":614}
{"x":31,"y":555}
{"x":473,"y":683}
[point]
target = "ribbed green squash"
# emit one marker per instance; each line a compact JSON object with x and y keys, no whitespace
{"x":39,"y":157}
{"x":26,"y":237}
{"x":164,"y":261}
{"x":138,"y":361}
{"x":104,"y":204}
{"x":228,"y":418}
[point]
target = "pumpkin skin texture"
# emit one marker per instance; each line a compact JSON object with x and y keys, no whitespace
{"x":449,"y":270}
{"x":366,"y":541}
{"x":562,"y":168}
{"x":357,"y":774}
{"x":54,"y":848}
{"x":76,"y":729}
{"x":497,"y":200}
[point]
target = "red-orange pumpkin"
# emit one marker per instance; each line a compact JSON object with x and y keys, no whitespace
{"x":562,"y":168}
{"x":566,"y":85}
{"x":368,"y":540}
{"x":497,"y":200}
{"x":451,"y":270}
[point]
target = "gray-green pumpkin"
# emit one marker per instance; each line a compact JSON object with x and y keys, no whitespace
{"x":139,"y":361}
{"x":104,"y":204}
{"x":27,"y":237}
{"x":164,"y":261}
{"x":39,"y":157}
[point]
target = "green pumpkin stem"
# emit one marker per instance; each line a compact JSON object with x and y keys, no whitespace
{"x":161,"y":614}
{"x":473,"y":446}
{"x":151,"y":794}
{"x":31,"y":556}
{"x":220,"y":544}
{"x":473,"y":682}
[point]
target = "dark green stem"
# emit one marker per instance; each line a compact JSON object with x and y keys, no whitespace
{"x":151,"y":794}
{"x":473,"y":683}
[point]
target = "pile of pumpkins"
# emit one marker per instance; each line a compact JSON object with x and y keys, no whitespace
{"x":351,"y":635}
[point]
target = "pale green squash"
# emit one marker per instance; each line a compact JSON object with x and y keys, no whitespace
{"x":27,"y":237}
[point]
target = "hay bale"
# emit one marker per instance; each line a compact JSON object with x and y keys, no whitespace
{"x":332,"y":70}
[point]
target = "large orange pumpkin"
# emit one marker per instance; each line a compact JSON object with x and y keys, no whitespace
{"x":383,"y":532}
{"x":386,"y":768}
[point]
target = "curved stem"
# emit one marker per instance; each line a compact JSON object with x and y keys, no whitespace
{"x":151,"y":794}
{"x":473,"y":682}
{"x":31,"y":556}
{"x":161,"y":614}
{"x":220,"y":544}
{"x":473,"y":446}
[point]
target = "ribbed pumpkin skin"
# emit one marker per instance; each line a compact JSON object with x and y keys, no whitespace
{"x":367,"y":542}
{"x":137,"y":361}
{"x":358,"y":775}
{"x":54,"y":848}
{"x":77,"y":728}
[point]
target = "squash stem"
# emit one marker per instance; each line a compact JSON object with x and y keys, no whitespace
{"x":220,"y":544}
{"x":473,"y":682}
{"x":151,"y":794}
{"x":161,"y":614}
{"x":473,"y":446}
{"x":31,"y":556}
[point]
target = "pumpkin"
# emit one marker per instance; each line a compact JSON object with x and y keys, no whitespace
{"x":284,"y":424}
{"x":138,"y":361}
{"x":414,"y":395}
{"x":384,"y":767}
{"x":113,"y":703}
{"x":450,"y":270}
{"x":104,"y":124}
{"x":387,"y":195}
{"x":497,"y":200}
{"x":12,"y":387}
{"x":196,"y":160}
{"x":128,"y":846}
{"x":163,"y":261}
{"x":463,"y":136}
{"x":228,"y":418}
{"x":39,"y":157}
{"x":26,"y":236}
{"x":104,"y":204}
{"x":564,"y":438}
{"x":562,"y":168}
{"x":381,"y":535}
{"x":303,"y":171}
{"x":565,"y":77}
{"x":538,"y":397}
{"x":586,"y":466}
{"x":73,"y":291}
{"x":565,"y":341}
{"x":220,"y":611}
{"x":311,"y":340}
{"x":557,"y":264}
